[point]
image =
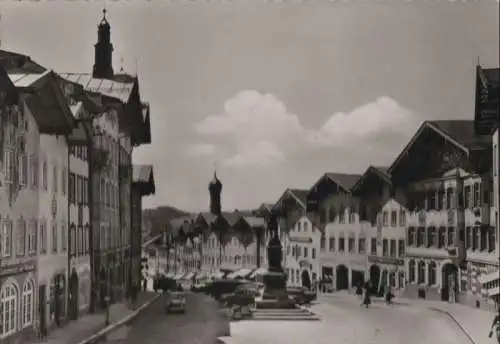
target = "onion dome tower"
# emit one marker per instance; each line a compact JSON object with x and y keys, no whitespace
{"x":215,"y":189}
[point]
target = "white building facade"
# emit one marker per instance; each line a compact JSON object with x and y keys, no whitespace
{"x":53,"y":228}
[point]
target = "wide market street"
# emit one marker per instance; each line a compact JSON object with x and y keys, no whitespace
{"x":345,"y":322}
{"x":202,"y":323}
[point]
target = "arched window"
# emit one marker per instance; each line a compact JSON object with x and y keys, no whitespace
{"x":432,"y":273}
{"x":28,"y":301}
{"x":421,"y":272}
{"x":8,"y":316}
{"x":411,"y":271}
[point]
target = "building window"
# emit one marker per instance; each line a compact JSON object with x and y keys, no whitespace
{"x":28,"y":302}
{"x":306,"y":226}
{"x":8,"y":313}
{"x":306,"y":253}
{"x":361,"y":245}
{"x":71,"y":190}
{"x":8,"y":165}
{"x":451,"y":236}
{"x":411,"y":271}
{"x":373,"y":246}
{"x":341,"y":244}
{"x":431,"y":237}
{"x":352,"y":215}
{"x":385,"y":248}
{"x":477,"y":194}
{"x":299,"y":226}
{"x":331,"y":214}
{"x":44,"y":175}
{"x":313,"y":253}
{"x":342,"y":214}
{"x":392,"y":248}
{"x":54,"y":179}
{"x":432,"y":273}
{"x":6,"y":239}
{"x":34,"y":170}
{"x":421,"y":272}
{"x":332,"y":244}
{"x":322,"y":241}
{"x":23,"y":169}
{"x":420,"y":236}
{"x":441,"y":237}
{"x":54,"y":237}
{"x":351,"y":243}
{"x":43,"y":237}
{"x":64,"y":237}
{"x":32,"y":237}
{"x":468,"y":238}
{"x":401,"y":248}
{"x":21,"y":237}
{"x":394,"y":218}
{"x":385,"y":219}
{"x":64,"y":180}
{"x":402,"y":218}
{"x":411,"y":236}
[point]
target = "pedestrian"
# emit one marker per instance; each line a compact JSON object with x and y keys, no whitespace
{"x":359,"y":289}
{"x":388,"y":295}
{"x":367,"y":297}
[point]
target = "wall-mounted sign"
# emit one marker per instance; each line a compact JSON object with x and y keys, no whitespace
{"x":304,"y":263}
{"x":14,"y":269}
{"x":54,"y":207}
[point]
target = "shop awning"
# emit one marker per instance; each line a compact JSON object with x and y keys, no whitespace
{"x":488,"y":278}
{"x":178,"y":276}
{"x":218,"y":274}
{"x":257,"y":272}
{"x":188,"y":276}
{"x":239,"y":273}
{"x":170,"y":275}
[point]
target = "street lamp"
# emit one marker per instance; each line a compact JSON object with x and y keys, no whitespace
{"x":106,"y":299}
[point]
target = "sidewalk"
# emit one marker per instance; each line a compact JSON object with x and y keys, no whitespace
{"x":86,"y":326}
{"x":475,"y":323}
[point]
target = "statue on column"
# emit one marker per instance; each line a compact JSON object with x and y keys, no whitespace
{"x":274,"y":248}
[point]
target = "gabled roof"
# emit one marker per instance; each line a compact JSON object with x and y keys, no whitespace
{"x":344,"y":180}
{"x":19,"y":63}
{"x":143,"y":176}
{"x":298,"y":195}
{"x":110,"y":88}
{"x":254,"y":221}
{"x":45,"y":101}
{"x":460,"y":133}
{"x":380,"y":172}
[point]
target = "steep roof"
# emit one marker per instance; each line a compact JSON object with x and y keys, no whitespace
{"x":300,"y":195}
{"x":143,"y":176}
{"x":380,"y":172}
{"x":463,"y":132}
{"x":110,"y":88}
{"x":345,"y":180}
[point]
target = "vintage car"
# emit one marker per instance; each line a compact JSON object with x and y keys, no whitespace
{"x":175,"y":302}
{"x":300,"y":295}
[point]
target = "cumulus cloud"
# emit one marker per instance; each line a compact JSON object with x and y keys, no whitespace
{"x":257,"y":129}
{"x":201,"y":149}
{"x":364,"y":123}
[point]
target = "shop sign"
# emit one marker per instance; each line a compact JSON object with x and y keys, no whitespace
{"x":305,"y":264}
{"x":14,"y":269}
{"x":385,"y":260}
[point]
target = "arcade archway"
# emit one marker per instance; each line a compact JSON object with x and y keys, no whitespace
{"x":306,"y":279}
{"x":73,"y":295}
{"x":374,"y":277}
{"x":449,"y":282}
{"x":342,"y":277}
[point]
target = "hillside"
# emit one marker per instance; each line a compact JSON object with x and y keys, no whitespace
{"x":157,"y":218}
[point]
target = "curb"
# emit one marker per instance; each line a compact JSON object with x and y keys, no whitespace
{"x":98,"y":336}
{"x":467,"y":334}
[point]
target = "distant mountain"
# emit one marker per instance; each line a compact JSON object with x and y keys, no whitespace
{"x":157,"y":218}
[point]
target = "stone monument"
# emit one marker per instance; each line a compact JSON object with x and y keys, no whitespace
{"x":274,"y":279}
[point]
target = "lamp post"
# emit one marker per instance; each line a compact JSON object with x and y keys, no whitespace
{"x":106,"y":322}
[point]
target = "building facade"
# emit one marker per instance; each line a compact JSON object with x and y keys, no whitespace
{"x":382,"y":218}
{"x":300,"y":240}
{"x":24,"y":239}
{"x":450,"y":241}
{"x":53,"y":226}
{"x":123,"y":125}
{"x":142,"y":185}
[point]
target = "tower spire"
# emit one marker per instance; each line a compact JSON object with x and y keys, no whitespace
{"x":103,"y":60}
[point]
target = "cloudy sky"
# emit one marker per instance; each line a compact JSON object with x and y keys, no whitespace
{"x":274,"y":95}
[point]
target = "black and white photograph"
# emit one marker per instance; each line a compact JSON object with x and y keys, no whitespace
{"x":249,"y":172}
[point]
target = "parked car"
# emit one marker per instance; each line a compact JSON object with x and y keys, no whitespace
{"x":222,"y":287}
{"x":301,"y":295}
{"x":241,"y":297}
{"x":175,"y":302}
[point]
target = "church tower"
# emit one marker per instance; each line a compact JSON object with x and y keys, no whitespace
{"x":215,"y":189}
{"x":103,"y":60}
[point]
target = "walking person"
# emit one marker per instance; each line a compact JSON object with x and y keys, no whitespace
{"x":367,"y":295}
{"x":388,"y":295}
